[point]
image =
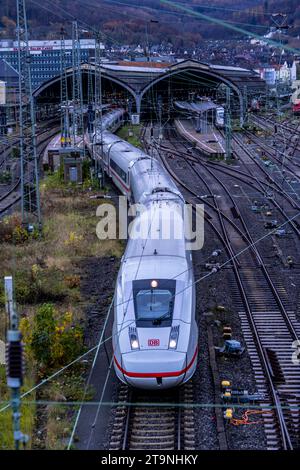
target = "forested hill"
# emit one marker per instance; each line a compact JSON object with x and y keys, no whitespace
{"x":155,"y":21}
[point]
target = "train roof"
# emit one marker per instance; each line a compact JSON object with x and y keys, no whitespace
{"x":167,"y":267}
{"x":158,"y":232}
{"x":120,"y":150}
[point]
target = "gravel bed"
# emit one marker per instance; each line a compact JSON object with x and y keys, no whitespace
{"x":212,"y":292}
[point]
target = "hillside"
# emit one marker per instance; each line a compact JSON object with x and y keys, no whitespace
{"x":132,"y":21}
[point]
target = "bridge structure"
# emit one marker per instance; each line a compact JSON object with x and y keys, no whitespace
{"x":142,"y":83}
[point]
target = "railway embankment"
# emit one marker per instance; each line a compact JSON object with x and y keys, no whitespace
{"x":64,"y":282}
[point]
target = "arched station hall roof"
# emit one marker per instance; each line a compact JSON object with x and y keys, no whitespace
{"x":139,"y":77}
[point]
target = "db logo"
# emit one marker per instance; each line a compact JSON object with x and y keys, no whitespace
{"x":153,"y":342}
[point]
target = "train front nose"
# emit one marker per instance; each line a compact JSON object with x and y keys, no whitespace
{"x":152,"y":369}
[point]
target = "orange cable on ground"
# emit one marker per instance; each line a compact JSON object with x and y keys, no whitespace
{"x":246,"y":415}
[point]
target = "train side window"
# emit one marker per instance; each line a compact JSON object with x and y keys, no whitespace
{"x":118,"y":170}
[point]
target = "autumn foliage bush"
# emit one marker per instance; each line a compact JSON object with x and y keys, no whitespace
{"x":52,"y":339}
{"x":72,"y":281}
{"x":12,"y":230}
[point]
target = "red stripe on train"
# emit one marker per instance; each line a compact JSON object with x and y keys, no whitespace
{"x":156,"y":374}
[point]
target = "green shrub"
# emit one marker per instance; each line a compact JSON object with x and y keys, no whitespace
{"x":54,"y":180}
{"x":52,"y":339}
{"x":39,"y":285}
{"x":15,"y":152}
{"x":43,"y":334}
{"x":86,"y":165}
{"x":5,"y":177}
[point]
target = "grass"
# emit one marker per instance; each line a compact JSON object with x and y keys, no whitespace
{"x":69,"y":234}
{"x":69,"y":387}
{"x":134,"y":139}
{"x":48,"y":269}
{"x":27,"y":414}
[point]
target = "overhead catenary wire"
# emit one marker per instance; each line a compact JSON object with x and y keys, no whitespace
{"x":90,"y":375}
{"x":111,"y":361}
{"x":227,"y":25}
{"x":250,"y":245}
{"x":176,"y":294}
{"x":70,"y":403}
{"x":200,"y":6}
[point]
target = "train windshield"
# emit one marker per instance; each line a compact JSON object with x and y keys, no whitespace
{"x":154,"y":305}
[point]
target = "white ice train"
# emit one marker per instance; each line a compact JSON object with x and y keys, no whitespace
{"x":155,"y":334}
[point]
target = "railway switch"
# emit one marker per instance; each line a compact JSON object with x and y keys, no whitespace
{"x":238,"y":395}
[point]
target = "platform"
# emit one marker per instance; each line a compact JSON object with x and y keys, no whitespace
{"x":211,"y":143}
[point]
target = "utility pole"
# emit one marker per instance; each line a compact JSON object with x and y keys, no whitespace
{"x":228,"y":125}
{"x":90,"y":83}
{"x":90,"y":102}
{"x":77,"y":83}
{"x":245,"y":100}
{"x":280,"y":22}
{"x":151,"y":144}
{"x":30,"y":193}
{"x":64,"y":98}
{"x":169,"y":99}
{"x":160,"y":106}
{"x":267,"y":104}
{"x":15,"y":362}
{"x":98,"y":107}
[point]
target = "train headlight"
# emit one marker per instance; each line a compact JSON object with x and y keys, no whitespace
{"x":174,"y":337}
{"x":133,"y":338}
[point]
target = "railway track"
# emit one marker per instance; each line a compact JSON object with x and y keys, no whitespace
{"x":251,"y":179}
{"x":154,"y":421}
{"x":267,"y":175}
{"x":11,"y":195}
{"x":268,"y":124}
{"x":42,"y":129}
{"x":269,"y":326}
{"x":290,"y":141}
{"x":287,"y":161}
